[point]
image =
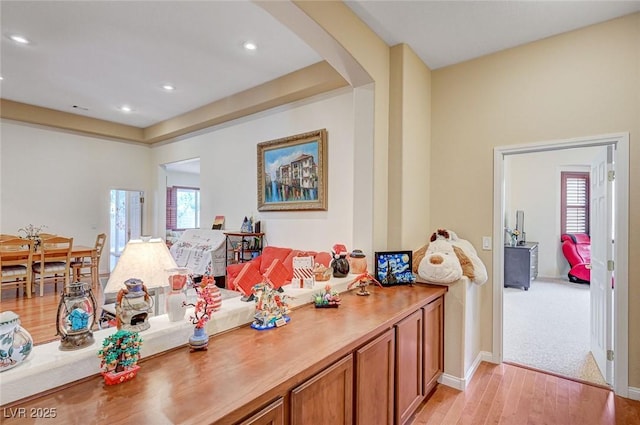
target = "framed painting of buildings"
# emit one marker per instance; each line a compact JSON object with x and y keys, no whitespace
{"x":292,"y":173}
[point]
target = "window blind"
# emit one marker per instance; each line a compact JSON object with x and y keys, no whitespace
{"x":575,"y":202}
{"x":172,"y":208}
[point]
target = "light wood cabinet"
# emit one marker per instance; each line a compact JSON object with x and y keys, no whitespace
{"x":433,"y":343}
{"x":375,"y":381}
{"x":273,"y":414}
{"x":326,"y":398}
{"x":409,"y":378}
{"x":348,"y":365}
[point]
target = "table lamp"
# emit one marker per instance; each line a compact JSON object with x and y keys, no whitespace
{"x":146,"y":260}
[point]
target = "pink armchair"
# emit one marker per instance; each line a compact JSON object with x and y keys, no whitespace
{"x":576,"y":248}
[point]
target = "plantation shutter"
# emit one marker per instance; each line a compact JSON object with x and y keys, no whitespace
{"x":575,"y":202}
{"x":172,"y":208}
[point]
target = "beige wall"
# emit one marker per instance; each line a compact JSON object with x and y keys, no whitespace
{"x":409,"y":149}
{"x":372,"y":54}
{"x":582,"y":83}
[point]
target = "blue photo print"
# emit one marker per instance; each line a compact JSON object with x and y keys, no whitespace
{"x":394,"y":268}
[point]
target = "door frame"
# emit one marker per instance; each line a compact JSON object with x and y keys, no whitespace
{"x":621,"y":258}
{"x":142,"y":196}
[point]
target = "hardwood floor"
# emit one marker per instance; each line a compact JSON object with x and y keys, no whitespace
{"x":511,"y":395}
{"x":38,"y":314}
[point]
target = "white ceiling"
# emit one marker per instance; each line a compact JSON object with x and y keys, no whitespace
{"x":99,"y":55}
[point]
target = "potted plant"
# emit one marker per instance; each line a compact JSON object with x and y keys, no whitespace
{"x":119,"y":356}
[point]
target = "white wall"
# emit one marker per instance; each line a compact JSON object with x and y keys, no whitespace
{"x":534,"y":187}
{"x":175,"y":178}
{"x":63,"y":180}
{"x":228,"y":172}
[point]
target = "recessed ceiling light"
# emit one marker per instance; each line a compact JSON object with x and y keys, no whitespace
{"x":19,"y":39}
{"x":1,"y":78}
{"x":168,"y":87}
{"x":250,"y":45}
{"x":126,"y":108}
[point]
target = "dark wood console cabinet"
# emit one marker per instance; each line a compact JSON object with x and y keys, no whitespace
{"x":335,"y":366}
{"x":520,"y":265}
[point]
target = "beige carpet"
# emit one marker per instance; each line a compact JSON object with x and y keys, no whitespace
{"x":547,"y":328}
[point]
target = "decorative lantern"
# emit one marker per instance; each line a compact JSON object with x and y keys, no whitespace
{"x":76,"y":316}
{"x":133,"y":306}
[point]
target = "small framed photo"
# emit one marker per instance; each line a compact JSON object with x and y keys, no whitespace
{"x":394,"y":268}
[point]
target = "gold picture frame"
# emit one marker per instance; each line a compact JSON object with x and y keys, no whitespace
{"x":292,"y":173}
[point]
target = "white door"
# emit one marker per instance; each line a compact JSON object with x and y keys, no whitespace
{"x":601,"y":253}
{"x":126,"y":221}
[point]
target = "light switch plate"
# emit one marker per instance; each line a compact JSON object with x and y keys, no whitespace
{"x":486,"y":243}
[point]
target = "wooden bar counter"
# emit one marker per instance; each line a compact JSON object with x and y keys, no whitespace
{"x":245,"y":370}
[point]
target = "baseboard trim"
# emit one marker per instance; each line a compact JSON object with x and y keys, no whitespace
{"x":452,"y":382}
{"x":461,"y":383}
{"x":634,"y":393}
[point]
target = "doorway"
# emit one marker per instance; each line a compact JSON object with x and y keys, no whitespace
{"x":616,"y":371}
{"x":125,"y":221}
{"x":182,"y":202}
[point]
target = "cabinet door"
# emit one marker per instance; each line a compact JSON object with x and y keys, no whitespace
{"x":433,"y":343}
{"x":409,"y":391}
{"x":273,"y":414}
{"x":374,"y":381}
{"x":326,"y":398}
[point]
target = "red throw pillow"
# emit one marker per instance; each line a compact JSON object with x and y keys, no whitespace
{"x":277,"y":274}
{"x":248,"y":277}
{"x":323,"y":258}
{"x":270,"y":253}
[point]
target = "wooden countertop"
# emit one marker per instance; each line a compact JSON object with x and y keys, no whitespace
{"x":242,"y":370}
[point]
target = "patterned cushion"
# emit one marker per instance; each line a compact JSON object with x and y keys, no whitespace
{"x":14,"y":270}
{"x":57,"y":266}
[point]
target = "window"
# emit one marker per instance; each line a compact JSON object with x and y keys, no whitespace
{"x":183,"y":208}
{"x":575,"y":202}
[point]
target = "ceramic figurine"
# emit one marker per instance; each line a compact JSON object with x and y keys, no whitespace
{"x":327,"y":299}
{"x":339,"y":262}
{"x":15,"y":342}
{"x":362,"y":281}
{"x":357,"y":262}
{"x":176,"y":299}
{"x":272,"y":308}
{"x":133,"y":306}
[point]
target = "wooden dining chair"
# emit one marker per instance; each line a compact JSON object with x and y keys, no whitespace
{"x":53,"y":259}
{"x":82,"y":267}
{"x":16,"y":258}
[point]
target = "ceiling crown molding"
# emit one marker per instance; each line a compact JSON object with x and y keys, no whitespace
{"x":312,"y":80}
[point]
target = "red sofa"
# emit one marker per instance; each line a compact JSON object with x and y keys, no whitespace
{"x":270,"y":253}
{"x":576,"y":248}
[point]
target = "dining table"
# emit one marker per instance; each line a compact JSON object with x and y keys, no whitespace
{"x":78,"y":253}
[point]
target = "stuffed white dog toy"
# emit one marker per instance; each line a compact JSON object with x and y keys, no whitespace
{"x":447,"y":258}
